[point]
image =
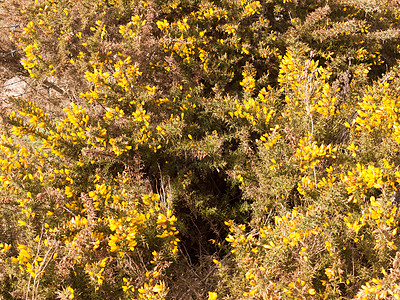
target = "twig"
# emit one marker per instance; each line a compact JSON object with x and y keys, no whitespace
{"x":36,"y":256}
{"x":42,"y":267}
{"x":11,"y":52}
{"x":63,"y":207}
{"x":11,"y":26}
{"x":12,"y":83}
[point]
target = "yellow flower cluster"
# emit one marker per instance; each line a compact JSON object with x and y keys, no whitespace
{"x":289,"y":235}
{"x":364,"y":178}
{"x":309,"y":154}
{"x":306,"y":85}
{"x":32,"y":56}
{"x":132,"y":28}
{"x":251,"y":8}
{"x":380,"y":288}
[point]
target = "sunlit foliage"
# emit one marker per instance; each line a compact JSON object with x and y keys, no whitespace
{"x":204,"y":150}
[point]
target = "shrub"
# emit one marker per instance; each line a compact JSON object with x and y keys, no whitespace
{"x":192,"y":149}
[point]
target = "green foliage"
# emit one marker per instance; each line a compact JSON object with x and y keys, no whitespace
{"x":230,"y":149}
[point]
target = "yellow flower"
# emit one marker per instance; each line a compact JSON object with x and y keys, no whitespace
{"x":5,"y":247}
{"x":212,"y":296}
{"x":158,"y":288}
{"x":71,"y":291}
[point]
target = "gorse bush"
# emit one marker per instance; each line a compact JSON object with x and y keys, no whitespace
{"x":203,"y":150}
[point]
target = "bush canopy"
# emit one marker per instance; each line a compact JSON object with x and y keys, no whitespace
{"x":187,"y":149}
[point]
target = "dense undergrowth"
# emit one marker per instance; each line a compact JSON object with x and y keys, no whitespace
{"x":189,"y":149}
